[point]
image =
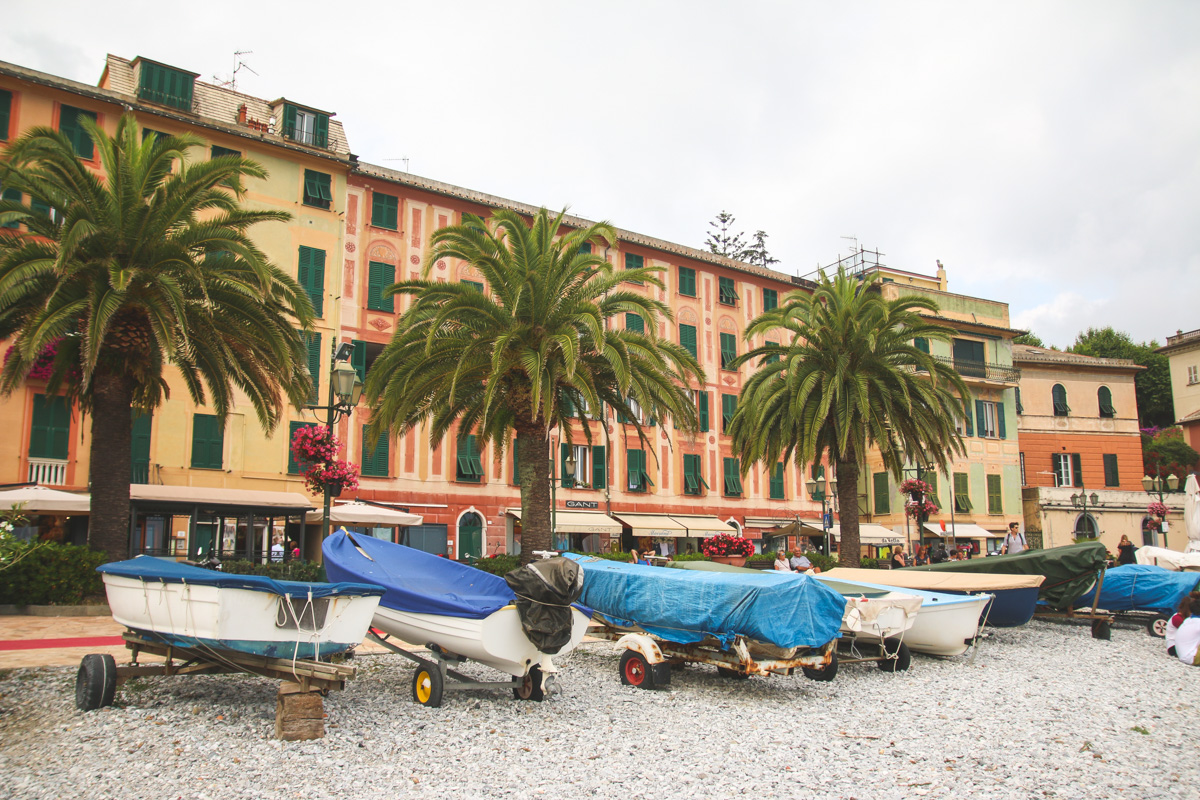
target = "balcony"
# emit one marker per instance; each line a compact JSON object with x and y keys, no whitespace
{"x":982,"y":370}
{"x":48,"y":471}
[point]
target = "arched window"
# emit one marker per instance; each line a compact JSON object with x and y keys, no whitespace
{"x":470,"y":537}
{"x":1086,"y":527}
{"x":1059,"y":393}
{"x":1150,"y":531}
{"x":1106,"y":405}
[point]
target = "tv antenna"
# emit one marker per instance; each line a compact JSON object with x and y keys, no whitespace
{"x":238,"y":66}
{"x":403,"y":158}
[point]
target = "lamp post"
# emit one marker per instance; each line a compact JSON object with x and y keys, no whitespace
{"x":818,"y":490}
{"x":1155,"y":485}
{"x":568,"y":472}
{"x":345,"y":390}
{"x":1080,"y":501}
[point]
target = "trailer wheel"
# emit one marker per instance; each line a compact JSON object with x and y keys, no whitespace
{"x":732,"y":674}
{"x":896,"y":656}
{"x":1101,"y":629}
{"x":635,"y":671}
{"x":427,"y":687}
{"x":96,"y":681}
{"x":531,"y":686}
{"x":827,"y":673}
{"x":1158,"y":626}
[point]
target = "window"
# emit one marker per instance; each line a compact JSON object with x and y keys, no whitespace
{"x":962,"y":493}
{"x":363,"y":356}
{"x":965,"y":426}
{"x":42,"y":209}
{"x":208,"y":441}
{"x":317,"y":190}
{"x":1020,"y":408}
{"x":883,"y":503}
{"x":774,"y":357}
{"x":599,"y":468}
{"x":1068,"y":469}
{"x":139,"y":447}
{"x":922,"y":344}
{"x":582,"y":459}
{"x":989,"y":417}
{"x":776,"y":486}
{"x":1085,"y":527}
{"x":634,"y":322}
{"x":687,"y":339}
{"x":634,"y":408}
{"x":296,"y":467}
{"x":12,"y":196}
{"x":728,"y":407}
{"x":304,"y":126}
{"x":218,"y":151}
{"x":476,"y":285}
{"x":1112,"y":476}
{"x":693,"y":475}
{"x":995,"y":499}
{"x":165,"y":86}
{"x":313,"y":340}
{"x":702,"y":410}
{"x":374,"y":455}
{"x":1059,"y":397}
{"x":385,"y":208}
{"x":634,"y":262}
{"x":586,"y":247}
{"x":1106,"y":404}
{"x":728,"y":350}
{"x":469,"y":466}
{"x":148,"y":133}
{"x":770,"y":299}
{"x":516,"y":464}
{"x":726,"y":294}
{"x":1023,"y":481}
{"x":70,"y":122}
{"x":6,"y":118}
{"x":969,"y":358}
{"x":733,"y":478}
{"x":50,"y":429}
{"x":310,"y":272}
{"x":635,"y":471}
{"x":687,"y":281}
{"x":1193,"y":372}
{"x":379,"y":277}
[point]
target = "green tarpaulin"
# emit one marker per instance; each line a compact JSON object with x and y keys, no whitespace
{"x":1069,"y":571}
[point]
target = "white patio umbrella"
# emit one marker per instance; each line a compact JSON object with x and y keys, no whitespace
{"x":1191,"y":514}
{"x":364,"y":514}
{"x":44,"y":500}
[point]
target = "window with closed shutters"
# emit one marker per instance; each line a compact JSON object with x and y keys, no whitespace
{"x":634,"y":262}
{"x":883,"y":498}
{"x":770,"y":299}
{"x":208,"y":441}
{"x":1112,"y":477}
{"x":385,"y":208}
{"x":70,"y":123}
{"x":687,"y":339}
{"x":635,"y":323}
{"x":310,"y":273}
{"x":776,"y":487}
{"x":374,"y":455}
{"x":995,"y":499}
{"x":733,"y":478}
{"x":296,"y":467}
{"x":728,"y":350}
{"x":50,"y":428}
{"x":687,"y":281}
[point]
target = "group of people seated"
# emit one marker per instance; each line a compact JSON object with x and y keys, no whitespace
{"x":797,"y":563}
{"x":1183,"y":631}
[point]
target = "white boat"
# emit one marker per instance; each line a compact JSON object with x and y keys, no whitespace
{"x":188,"y":606}
{"x":1168,"y":559}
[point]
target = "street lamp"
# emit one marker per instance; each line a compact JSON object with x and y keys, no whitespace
{"x":1080,"y":501}
{"x":1156,"y":485}
{"x":345,"y":390}
{"x":569,"y":473}
{"x":818,"y":490}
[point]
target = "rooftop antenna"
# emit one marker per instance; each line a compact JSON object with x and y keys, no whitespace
{"x":238,"y":66}
{"x":403,"y":158}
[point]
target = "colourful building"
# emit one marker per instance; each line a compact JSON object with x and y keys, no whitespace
{"x":1183,"y":354}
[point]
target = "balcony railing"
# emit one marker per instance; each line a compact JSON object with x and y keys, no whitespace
{"x":48,"y":471}
{"x":1001,"y":373}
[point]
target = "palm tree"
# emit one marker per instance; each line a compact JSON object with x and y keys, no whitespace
{"x":524,"y":355}
{"x":147,"y":267}
{"x":850,"y":378}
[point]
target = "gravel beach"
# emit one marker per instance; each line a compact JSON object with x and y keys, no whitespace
{"x":1042,"y":711}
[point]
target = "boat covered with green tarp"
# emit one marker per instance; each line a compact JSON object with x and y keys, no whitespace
{"x":1070,"y":571}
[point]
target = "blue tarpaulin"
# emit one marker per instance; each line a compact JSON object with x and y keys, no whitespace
{"x":682,"y":606}
{"x":1142,"y":587}
{"x":415,"y":581}
{"x":157,"y":569}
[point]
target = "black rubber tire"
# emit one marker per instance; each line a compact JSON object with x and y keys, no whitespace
{"x":427,"y":686}
{"x":903,"y":656}
{"x":732,"y":674}
{"x":1158,"y":626}
{"x":636,"y":671}
{"x":96,"y":681}
{"x":826,"y":674}
{"x":531,"y":688}
{"x":1101,"y":629}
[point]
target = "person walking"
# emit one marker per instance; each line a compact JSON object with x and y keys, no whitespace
{"x":1014,"y":542}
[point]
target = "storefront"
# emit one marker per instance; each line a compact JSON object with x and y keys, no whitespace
{"x":574,"y":530}
{"x":875,"y":541}
{"x":963,"y":536}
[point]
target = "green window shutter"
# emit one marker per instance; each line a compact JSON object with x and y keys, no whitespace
{"x":218,"y":152}
{"x":634,"y":262}
{"x":733,"y":478}
{"x":564,"y":450}
{"x":165,"y":86}
{"x":770,"y":299}
{"x":687,"y":281}
{"x":962,"y":492}
{"x":774,"y":357}
{"x":317,"y":191}
{"x":1112,"y":477}
{"x":586,"y":247}
{"x":995,"y":500}
{"x":931,"y":479}
{"x":39,"y":207}
{"x":1104,"y":395}
{"x":311,"y":276}
{"x":289,"y":121}
{"x":379,"y":277}
{"x":321,"y":130}
{"x":728,"y":407}
{"x":314,"y":366}
{"x":139,"y":450}
{"x":1077,"y":469}
{"x":979,"y":416}
{"x":968,"y":426}
{"x":358,"y":359}
{"x":208,"y":442}
{"x":385,"y":210}
{"x":922,"y":344}
{"x":633,"y":470}
{"x":516,"y":467}
{"x":883,"y":503}
{"x":12,"y":196}
{"x":295,"y":467}
{"x":1020,"y":408}
{"x":687,"y":339}
{"x":476,"y":285}
{"x":599,"y":468}
{"x":702,"y":402}
{"x":374,"y":455}
{"x":634,"y":322}
{"x":1000,"y":421}
{"x":728,"y":349}
{"x":50,"y":428}
{"x":777,"y":482}
{"x":69,"y":123}
{"x":5,"y":113}
{"x":1058,"y":395}
{"x":470,"y":468}
{"x":725,"y":291}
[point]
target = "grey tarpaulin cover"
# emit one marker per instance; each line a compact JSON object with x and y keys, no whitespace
{"x":545,"y":591}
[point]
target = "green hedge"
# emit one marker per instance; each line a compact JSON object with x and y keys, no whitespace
{"x":498,"y":564}
{"x":51,"y":574}
{"x":286,"y":571}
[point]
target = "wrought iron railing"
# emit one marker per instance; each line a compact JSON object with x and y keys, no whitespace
{"x":982,"y":369}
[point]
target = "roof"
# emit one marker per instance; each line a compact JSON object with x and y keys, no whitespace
{"x":1028,"y":354}
{"x":1180,"y":341}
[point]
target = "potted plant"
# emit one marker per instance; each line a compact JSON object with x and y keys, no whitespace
{"x":728,"y":549}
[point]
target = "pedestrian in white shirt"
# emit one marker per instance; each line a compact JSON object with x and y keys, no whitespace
{"x":1014,"y":542}
{"x":1187,"y":638}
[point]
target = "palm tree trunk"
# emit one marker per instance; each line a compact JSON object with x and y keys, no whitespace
{"x":111,"y":462}
{"x":849,"y":551}
{"x":534,"y":469}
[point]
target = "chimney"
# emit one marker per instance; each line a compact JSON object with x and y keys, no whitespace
{"x":941,"y":276}
{"x":241,"y":118}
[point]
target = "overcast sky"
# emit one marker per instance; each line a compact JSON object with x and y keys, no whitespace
{"x":1047,"y":153}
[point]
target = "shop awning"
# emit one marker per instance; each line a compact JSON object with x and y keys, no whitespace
{"x":806,"y":527}
{"x":149,"y":494}
{"x":579,"y":522}
{"x":702,"y":527}
{"x":660,"y":525}
{"x":43,"y":500}
{"x":364,"y":514}
{"x":961,"y":530}
{"x":876,"y":535}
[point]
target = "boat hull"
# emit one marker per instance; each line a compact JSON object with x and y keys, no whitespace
{"x":496,"y":640}
{"x":248,"y":621}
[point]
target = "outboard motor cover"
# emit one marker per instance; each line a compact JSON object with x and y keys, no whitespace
{"x":545,"y":591}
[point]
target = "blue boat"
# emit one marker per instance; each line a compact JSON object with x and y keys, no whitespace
{"x":1142,"y":587}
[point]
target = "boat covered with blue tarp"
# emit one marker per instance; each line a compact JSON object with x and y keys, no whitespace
{"x":687,"y":607}
{"x":1142,"y":587}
